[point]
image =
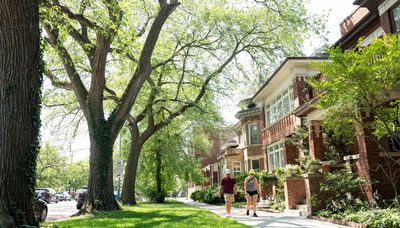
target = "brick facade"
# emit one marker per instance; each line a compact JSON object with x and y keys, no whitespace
{"x":316,"y":200}
{"x":281,"y":129}
{"x":299,"y":91}
{"x":291,"y":153}
{"x":352,"y":20}
{"x":294,"y":191}
{"x":316,"y":141}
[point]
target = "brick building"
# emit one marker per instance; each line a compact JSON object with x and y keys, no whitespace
{"x":282,"y":93}
{"x":371,"y":20}
{"x":244,"y":151}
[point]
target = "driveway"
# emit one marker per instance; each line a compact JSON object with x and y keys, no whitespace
{"x":61,"y":210}
{"x":264,"y":219}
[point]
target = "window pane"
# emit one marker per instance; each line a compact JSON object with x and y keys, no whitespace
{"x":396,"y":18}
{"x":255,"y":164}
{"x":286,"y":104}
{"x":253,"y":134}
{"x":271,"y":162}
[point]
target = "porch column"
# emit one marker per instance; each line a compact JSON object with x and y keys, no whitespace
{"x":315,"y":140}
{"x":363,"y":167}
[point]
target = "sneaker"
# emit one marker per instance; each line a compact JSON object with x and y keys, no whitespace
{"x":255,"y":215}
{"x":247,"y":212}
{"x":228,"y":215}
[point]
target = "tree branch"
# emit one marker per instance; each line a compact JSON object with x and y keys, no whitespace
{"x":143,"y":69}
{"x":69,"y":66}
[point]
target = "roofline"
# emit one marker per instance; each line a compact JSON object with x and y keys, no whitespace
{"x":358,"y":28}
{"x":280,"y":67}
{"x":359,"y":2}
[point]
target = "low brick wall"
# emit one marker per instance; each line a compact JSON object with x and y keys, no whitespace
{"x":312,"y":187}
{"x":294,"y":191}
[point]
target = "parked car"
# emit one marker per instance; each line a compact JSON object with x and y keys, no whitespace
{"x":40,"y":209}
{"x":63,"y":196}
{"x":47,"y":194}
{"x":80,"y":197}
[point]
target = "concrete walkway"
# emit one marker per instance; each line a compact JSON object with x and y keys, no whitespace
{"x":264,"y":219}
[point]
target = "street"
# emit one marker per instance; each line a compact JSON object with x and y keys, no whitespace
{"x":61,"y":210}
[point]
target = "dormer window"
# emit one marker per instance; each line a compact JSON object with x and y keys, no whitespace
{"x":253,"y":134}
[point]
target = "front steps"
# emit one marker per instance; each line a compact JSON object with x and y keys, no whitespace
{"x":301,"y":210}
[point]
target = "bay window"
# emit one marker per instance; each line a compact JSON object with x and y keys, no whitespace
{"x":279,"y":106}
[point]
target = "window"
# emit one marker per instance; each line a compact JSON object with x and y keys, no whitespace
{"x":255,"y":164}
{"x":275,"y":156}
{"x":396,"y":19}
{"x":253,"y":134}
{"x":279,"y":106}
{"x":394,"y":144}
{"x":236,"y":167}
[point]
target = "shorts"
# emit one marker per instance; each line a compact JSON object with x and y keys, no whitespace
{"x":252,"y":193}
{"x":229,"y":198}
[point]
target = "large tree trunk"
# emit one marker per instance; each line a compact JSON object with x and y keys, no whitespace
{"x":20,"y":89}
{"x":160,"y":195}
{"x":128,"y":189}
{"x":100,"y":188}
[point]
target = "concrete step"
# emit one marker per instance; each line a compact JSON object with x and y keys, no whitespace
{"x":292,"y":212}
{"x":302,"y":207}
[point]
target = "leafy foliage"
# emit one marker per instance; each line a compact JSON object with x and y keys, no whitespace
{"x":299,"y":139}
{"x":54,"y":171}
{"x":345,"y":188}
{"x":176,"y":163}
{"x":370,"y":217}
{"x":342,"y":182}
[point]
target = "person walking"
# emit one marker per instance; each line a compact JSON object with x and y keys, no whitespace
{"x":227,"y":188}
{"x":252,"y":191}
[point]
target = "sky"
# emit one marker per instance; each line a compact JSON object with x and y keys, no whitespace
{"x":337,"y":10}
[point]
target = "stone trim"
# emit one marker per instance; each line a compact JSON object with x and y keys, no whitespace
{"x":371,"y":37}
{"x":351,"y":157}
{"x":385,"y":6}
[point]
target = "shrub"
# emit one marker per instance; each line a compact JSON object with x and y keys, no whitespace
{"x":211,"y":195}
{"x":309,"y":167}
{"x":278,"y":205}
{"x":155,"y":196}
{"x":388,"y":218}
{"x":293,"y":170}
{"x":342,"y":183}
{"x":198,"y":195}
{"x":240,"y":196}
{"x":208,"y":195}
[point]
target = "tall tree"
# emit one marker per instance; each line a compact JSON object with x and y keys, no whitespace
{"x":20,"y":86}
{"x":165,"y":160}
{"x":147,"y":53}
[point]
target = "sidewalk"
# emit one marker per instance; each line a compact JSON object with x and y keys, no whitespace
{"x":264,"y":219}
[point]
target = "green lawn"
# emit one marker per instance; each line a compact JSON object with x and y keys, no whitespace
{"x":171,"y":214}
